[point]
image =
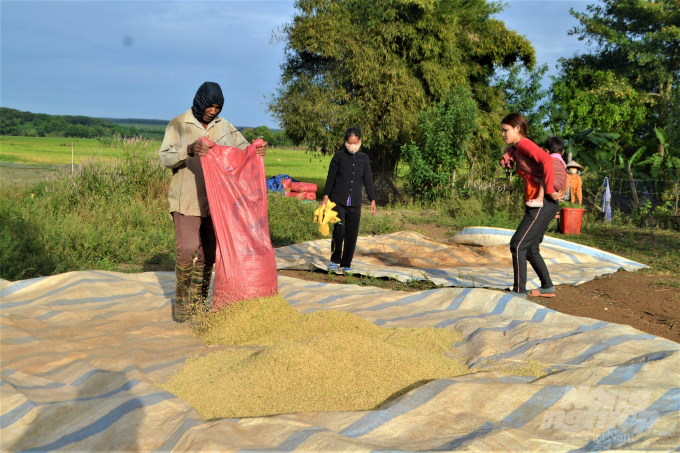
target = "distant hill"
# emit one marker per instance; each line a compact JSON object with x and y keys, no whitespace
{"x":19,"y":123}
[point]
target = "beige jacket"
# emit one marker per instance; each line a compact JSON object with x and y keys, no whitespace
{"x":187,"y":193}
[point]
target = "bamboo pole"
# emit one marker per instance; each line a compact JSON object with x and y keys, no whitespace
{"x":632,"y":189}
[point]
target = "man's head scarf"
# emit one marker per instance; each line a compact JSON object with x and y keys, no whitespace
{"x":208,"y":94}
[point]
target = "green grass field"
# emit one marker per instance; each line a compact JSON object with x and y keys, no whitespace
{"x":300,"y":165}
{"x":48,"y":151}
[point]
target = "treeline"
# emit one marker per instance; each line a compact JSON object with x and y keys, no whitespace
{"x":18,"y":123}
{"x":430,"y":82}
{"x":277,"y":139}
{"x":137,"y":121}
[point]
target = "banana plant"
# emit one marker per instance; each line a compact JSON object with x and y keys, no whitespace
{"x":603,"y":154}
{"x":665,"y":164}
{"x":631,"y":162}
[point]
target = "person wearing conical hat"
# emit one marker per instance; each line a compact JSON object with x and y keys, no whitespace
{"x":574,"y":183}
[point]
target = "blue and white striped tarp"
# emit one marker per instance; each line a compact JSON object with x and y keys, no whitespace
{"x":81,"y":353}
{"x":475,"y":257}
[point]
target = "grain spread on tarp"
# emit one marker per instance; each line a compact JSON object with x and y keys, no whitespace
{"x":322,"y":361}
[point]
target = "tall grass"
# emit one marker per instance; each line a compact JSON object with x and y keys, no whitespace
{"x":112,"y":214}
{"x":106,"y":213}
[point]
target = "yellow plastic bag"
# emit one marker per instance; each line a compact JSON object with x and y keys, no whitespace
{"x":325,"y":215}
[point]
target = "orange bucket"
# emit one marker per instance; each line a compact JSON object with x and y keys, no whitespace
{"x":570,"y":220}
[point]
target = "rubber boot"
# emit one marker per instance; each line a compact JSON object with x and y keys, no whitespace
{"x":205,"y":289}
{"x":180,"y":309}
{"x":196,"y":297}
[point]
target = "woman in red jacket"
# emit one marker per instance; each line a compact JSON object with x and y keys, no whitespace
{"x":524,"y":244}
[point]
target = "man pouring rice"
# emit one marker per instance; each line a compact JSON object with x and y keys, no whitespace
{"x":181,"y":151}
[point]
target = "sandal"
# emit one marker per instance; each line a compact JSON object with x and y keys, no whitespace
{"x":538,"y":293}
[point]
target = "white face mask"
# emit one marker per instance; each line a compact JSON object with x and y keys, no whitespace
{"x":352,"y":148}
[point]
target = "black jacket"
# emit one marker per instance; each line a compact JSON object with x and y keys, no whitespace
{"x":345,"y":175}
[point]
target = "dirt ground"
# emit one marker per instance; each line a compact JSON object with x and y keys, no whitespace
{"x":648,"y":302}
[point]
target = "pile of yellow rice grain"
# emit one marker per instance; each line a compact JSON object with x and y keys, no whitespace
{"x":321,"y":361}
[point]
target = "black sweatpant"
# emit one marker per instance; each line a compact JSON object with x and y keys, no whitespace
{"x":346,"y":231}
{"x":524,"y":244}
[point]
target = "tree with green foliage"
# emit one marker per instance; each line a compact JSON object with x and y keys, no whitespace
{"x":379,"y":63}
{"x":595,"y":99}
{"x":441,"y":149}
{"x":276,"y":139}
{"x":523,"y":92}
{"x":261,"y":131}
{"x":625,"y":83}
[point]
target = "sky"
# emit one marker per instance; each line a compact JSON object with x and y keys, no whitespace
{"x":146,"y":59}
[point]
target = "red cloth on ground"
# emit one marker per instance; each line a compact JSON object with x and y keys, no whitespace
{"x":245,"y":267}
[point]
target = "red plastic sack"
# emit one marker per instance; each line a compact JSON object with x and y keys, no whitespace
{"x":303,"y":187}
{"x":301,"y":195}
{"x":235,"y":183}
{"x":286,"y":183}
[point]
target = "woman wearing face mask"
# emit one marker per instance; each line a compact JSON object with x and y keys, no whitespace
{"x":348,"y":169}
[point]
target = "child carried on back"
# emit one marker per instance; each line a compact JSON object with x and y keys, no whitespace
{"x":532,"y":172}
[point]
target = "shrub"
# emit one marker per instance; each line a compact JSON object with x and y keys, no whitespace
{"x":290,"y":220}
{"x":444,"y":132}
